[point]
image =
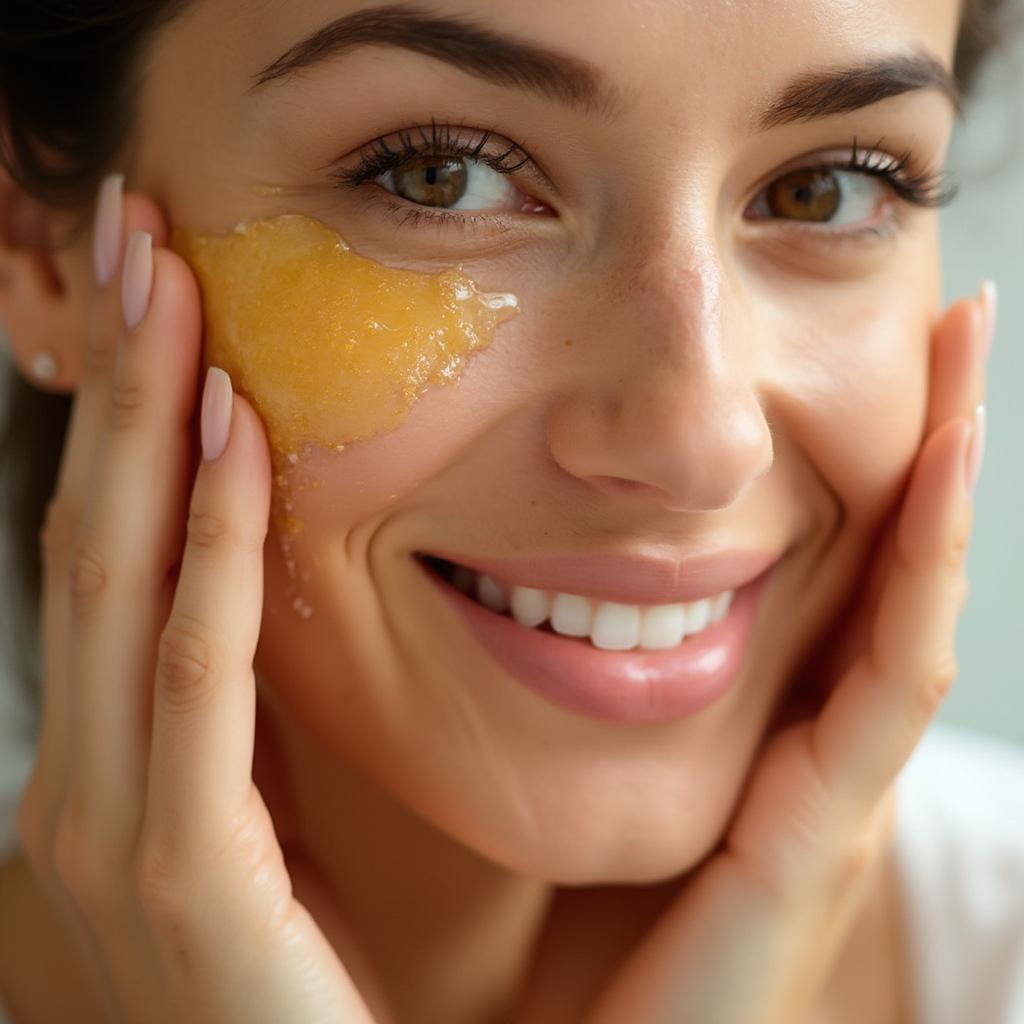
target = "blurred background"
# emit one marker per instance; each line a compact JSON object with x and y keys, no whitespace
{"x":983,"y":236}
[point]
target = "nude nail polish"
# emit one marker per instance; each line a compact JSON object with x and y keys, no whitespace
{"x":215,"y":417}
{"x":137,"y":279}
{"x":106,"y":240}
{"x":976,"y":450}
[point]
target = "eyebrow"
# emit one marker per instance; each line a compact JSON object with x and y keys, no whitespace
{"x":504,"y":60}
{"x":470,"y":47}
{"x":817,"y":94}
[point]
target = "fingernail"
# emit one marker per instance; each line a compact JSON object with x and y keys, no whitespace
{"x":137,"y":280}
{"x":976,"y":450}
{"x":990,"y":300}
{"x":215,"y":418}
{"x":106,"y":240}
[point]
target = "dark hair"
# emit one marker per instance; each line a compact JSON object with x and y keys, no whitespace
{"x":68,"y":71}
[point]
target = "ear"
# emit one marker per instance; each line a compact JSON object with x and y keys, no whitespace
{"x":40,"y":290}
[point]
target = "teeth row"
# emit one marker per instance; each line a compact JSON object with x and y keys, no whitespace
{"x":610,"y":626}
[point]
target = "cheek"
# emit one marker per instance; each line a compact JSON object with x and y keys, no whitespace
{"x":329,"y":346}
{"x":857,"y":395}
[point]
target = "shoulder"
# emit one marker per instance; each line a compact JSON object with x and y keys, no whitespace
{"x":41,"y":979}
{"x":959,"y":849}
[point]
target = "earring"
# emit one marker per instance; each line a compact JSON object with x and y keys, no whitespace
{"x":44,"y":365}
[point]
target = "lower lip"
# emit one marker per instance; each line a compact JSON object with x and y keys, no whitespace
{"x":618,"y":686}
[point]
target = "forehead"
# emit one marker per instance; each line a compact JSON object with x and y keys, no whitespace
{"x":627,"y":38}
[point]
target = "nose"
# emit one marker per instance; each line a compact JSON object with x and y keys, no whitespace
{"x":664,"y":409}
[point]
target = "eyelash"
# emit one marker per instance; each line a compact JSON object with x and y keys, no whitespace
{"x":928,"y":189}
{"x":925,"y":189}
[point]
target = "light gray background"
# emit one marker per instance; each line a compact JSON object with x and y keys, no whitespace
{"x":983,"y":237}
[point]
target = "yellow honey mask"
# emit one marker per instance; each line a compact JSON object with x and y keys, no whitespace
{"x":330,"y":347}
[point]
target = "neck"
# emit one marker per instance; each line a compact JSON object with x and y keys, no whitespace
{"x":438,"y":931}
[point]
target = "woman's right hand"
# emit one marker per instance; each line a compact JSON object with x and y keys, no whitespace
{"x":140,"y":818}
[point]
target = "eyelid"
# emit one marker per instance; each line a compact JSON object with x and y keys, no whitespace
{"x":476,"y":143}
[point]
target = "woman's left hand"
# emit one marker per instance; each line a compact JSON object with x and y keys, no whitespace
{"x":754,"y":931}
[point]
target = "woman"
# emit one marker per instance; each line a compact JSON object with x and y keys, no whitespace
{"x":728,"y":375}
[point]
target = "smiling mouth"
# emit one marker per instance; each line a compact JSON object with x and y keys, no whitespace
{"x":464,"y":580}
{"x":605,"y":625}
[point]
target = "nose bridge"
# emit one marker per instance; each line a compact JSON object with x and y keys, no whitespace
{"x":670,"y":400}
{"x":672,"y":289}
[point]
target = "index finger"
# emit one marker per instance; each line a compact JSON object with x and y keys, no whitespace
{"x":881,"y":707}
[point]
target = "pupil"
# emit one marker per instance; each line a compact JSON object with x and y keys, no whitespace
{"x":432,"y":181}
{"x":808,"y":195}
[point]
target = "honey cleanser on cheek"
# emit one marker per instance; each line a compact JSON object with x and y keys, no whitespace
{"x":329,"y":346}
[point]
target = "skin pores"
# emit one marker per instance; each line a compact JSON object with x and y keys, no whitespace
{"x":331,"y":347}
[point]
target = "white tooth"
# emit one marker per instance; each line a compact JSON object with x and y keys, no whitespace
{"x":720,"y":606}
{"x":571,"y":615}
{"x":662,"y":626}
{"x":616,"y":626}
{"x":697,"y":615}
{"x":462,"y":578}
{"x":529,"y":606}
{"x":490,"y":594}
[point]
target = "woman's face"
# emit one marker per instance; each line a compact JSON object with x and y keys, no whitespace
{"x":708,"y":356}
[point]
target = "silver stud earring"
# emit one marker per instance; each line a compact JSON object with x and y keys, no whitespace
{"x":44,"y":365}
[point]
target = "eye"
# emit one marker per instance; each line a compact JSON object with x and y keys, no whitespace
{"x":821,"y":195}
{"x":451,"y":182}
{"x":448,"y":171}
{"x":867,"y":188}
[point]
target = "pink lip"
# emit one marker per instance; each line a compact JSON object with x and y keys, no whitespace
{"x":622,"y":687}
{"x":628,"y":579}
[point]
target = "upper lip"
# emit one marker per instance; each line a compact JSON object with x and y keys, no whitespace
{"x":628,"y":579}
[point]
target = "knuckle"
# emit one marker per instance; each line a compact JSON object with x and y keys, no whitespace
{"x":184,"y":663}
{"x":936,"y":685}
{"x":207,"y":531}
{"x":956,"y":552}
{"x":858,"y":859}
{"x":98,"y":356}
{"x":87,"y":576}
{"x":161,"y":891}
{"x":127,"y":398}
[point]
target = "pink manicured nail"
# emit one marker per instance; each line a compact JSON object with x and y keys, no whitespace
{"x":976,"y":450}
{"x":137,"y":280}
{"x":215,"y":418}
{"x":990,"y":299}
{"x":106,"y":239}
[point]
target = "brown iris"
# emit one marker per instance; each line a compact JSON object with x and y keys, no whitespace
{"x":431,"y":180}
{"x":809,"y":194}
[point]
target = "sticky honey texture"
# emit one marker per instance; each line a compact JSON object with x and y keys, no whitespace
{"x":331,"y":347}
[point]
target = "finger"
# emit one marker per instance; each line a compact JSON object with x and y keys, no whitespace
{"x":959,"y":354}
{"x":131,"y":535}
{"x":200,"y":774}
{"x":116,"y":216}
{"x":956,"y":387}
{"x":882,"y":705}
